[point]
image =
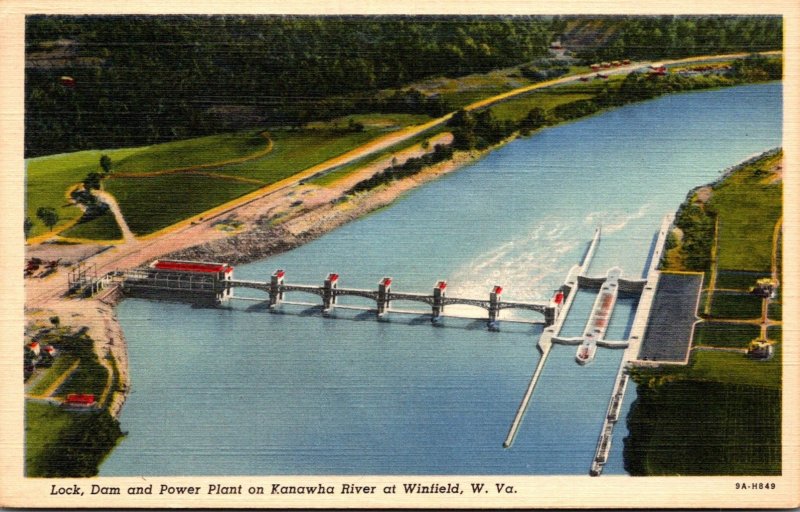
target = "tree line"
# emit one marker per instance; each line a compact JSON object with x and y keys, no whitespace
{"x":605,"y":38}
{"x":168,"y":77}
{"x":136,"y":80}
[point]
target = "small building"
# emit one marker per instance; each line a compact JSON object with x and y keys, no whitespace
{"x":766,"y":288}
{"x":760,"y":349}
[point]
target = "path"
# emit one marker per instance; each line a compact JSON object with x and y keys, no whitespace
{"x":712,"y":281}
{"x":127,"y":234}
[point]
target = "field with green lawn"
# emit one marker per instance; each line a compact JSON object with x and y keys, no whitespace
{"x":748,"y":206}
{"x":516,"y":109}
{"x":89,"y":377}
{"x":61,"y":364}
{"x":295,"y":151}
{"x":191,"y":152}
{"x":734,"y":280}
{"x":775,"y":332}
{"x":152,"y":203}
{"x":48,"y":179}
{"x":735,"y":305}
{"x":339,"y":172}
{"x":104,"y":227}
{"x":720,"y":334}
{"x":61,"y":443}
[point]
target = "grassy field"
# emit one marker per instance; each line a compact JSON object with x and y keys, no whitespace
{"x":775,"y":332}
{"x":43,"y":423}
{"x":152,"y":203}
{"x":328,"y":178}
{"x":385,"y":122}
{"x":516,"y":109}
{"x":718,"y":334}
{"x":295,"y":151}
{"x":89,"y":377}
{"x":60,"y":365}
{"x":738,"y":280}
{"x":48,"y":179}
{"x":748,"y":207}
{"x":735,"y":305}
{"x":191,"y":152}
{"x":61,"y":443}
{"x":705,"y":428}
{"x":104,"y":227}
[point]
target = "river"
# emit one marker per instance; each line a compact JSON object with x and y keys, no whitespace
{"x":240,"y":391}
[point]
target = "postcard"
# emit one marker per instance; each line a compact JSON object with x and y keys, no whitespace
{"x":329,"y":256}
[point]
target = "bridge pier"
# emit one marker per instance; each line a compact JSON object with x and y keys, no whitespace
{"x":328,"y":293}
{"x":384,"y":287}
{"x":494,"y":306}
{"x":438,"y":300}
{"x":275,"y":290}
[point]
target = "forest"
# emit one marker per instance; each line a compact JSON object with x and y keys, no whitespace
{"x":117,"y":81}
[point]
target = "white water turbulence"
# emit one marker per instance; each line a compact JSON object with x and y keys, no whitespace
{"x":240,"y":391}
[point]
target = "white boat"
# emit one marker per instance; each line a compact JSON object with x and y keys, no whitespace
{"x":585,"y":353}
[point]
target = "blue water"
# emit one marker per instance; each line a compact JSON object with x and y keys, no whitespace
{"x":241,"y":391}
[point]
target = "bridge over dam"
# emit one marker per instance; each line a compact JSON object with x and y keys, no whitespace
{"x":214,"y":283}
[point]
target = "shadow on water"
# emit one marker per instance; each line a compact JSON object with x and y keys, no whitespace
{"x":650,"y":254}
{"x":397,"y":317}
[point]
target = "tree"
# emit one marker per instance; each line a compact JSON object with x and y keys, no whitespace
{"x":92,"y":181}
{"x":48,"y":216}
{"x":105,"y":163}
{"x":28,"y":226}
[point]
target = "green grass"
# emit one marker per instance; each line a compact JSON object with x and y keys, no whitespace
{"x":152,"y":203}
{"x":191,"y":152}
{"x":738,"y":280}
{"x":104,"y":227}
{"x":377,"y":121}
{"x":49,"y":177}
{"x":735,"y":305}
{"x":705,"y":428}
{"x":43,"y":423}
{"x":295,"y":151}
{"x":328,"y":178}
{"x":517,"y":108}
{"x":748,"y":210}
{"x":89,"y":377}
{"x":61,"y":443}
{"x":775,"y":332}
{"x":719,"y":334}
{"x":60,"y":365}
{"x":775,"y":311}
{"x":727,"y":367}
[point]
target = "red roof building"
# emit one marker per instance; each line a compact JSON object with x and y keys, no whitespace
{"x":192,"y":266}
{"x":80,"y":399}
